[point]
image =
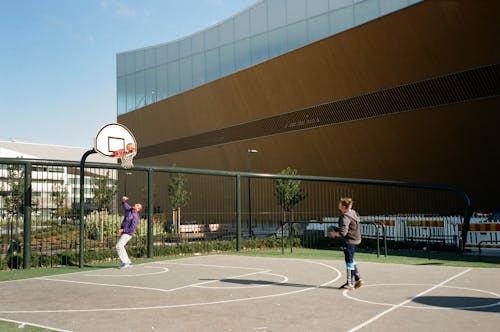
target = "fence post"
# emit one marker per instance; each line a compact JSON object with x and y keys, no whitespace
{"x":27,"y":217}
{"x":82,"y":203}
{"x":150,"y":213}
{"x":238,"y":212}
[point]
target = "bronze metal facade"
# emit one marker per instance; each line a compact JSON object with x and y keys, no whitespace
{"x":413,"y":96}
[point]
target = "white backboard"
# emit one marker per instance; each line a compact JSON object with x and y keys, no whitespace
{"x":113,"y":137}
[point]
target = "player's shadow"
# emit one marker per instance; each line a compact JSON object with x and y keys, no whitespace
{"x":255,"y":282}
{"x":461,"y":302}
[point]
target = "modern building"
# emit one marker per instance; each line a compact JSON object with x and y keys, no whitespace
{"x":393,"y":90}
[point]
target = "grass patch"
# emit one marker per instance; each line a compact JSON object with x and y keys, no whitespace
{"x":6,"y":326}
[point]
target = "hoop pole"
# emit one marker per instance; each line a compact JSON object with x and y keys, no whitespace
{"x":82,"y":203}
{"x":150,"y":214}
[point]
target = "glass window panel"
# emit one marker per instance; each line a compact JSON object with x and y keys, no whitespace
{"x":197,"y":44}
{"x":388,"y":6}
{"x":316,"y":7}
{"x":341,"y":20}
{"x":242,"y":54}
{"x":130,"y":62}
{"x":140,"y":60}
{"x":277,"y":42}
{"x":121,"y":65}
{"x":212,"y":38}
{"x":242,"y":25}
{"x":258,"y":19}
{"x":295,"y":10}
{"x":227,"y":65}
{"x":226,"y":32}
{"x":150,"y":85}
{"x":121,"y":95}
{"x":173,"y":51}
{"x":365,"y":11}
{"x":336,"y":4}
{"x":297,"y":35}
{"x":212,"y":66}
{"x":198,"y":69}
{"x":130,"y":92}
{"x":277,"y":13}
{"x":161,"y":82}
{"x":161,"y":54}
{"x":186,"y":74}
{"x":318,"y":27}
{"x":140,"y":90}
{"x":259,"y":48}
{"x":173,"y":78}
{"x":149,"y":57}
{"x":185,"y":47}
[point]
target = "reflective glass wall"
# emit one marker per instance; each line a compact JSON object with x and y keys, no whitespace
{"x":267,"y":29}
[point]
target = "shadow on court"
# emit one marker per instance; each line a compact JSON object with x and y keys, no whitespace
{"x":235,"y":293}
{"x":461,"y":302}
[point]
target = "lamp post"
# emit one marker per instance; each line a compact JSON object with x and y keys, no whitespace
{"x":250,"y":232}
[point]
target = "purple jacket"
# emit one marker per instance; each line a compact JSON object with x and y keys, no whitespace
{"x":131,"y":219}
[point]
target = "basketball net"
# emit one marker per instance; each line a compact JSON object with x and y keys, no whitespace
{"x":126,"y":158}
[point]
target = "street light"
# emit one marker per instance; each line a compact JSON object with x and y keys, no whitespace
{"x":250,"y":232}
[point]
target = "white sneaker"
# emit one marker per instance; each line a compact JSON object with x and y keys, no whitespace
{"x":124,"y":266}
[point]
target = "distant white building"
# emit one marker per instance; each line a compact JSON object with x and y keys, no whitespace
{"x":46,"y":180}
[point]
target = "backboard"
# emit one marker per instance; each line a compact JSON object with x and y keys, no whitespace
{"x":114,"y":137}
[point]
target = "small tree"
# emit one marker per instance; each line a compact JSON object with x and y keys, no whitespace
{"x":103,"y":192}
{"x":288,"y":192}
{"x":13,"y":194}
{"x":178,"y":197}
{"x":59,"y":197}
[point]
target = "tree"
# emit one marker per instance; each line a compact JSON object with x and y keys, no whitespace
{"x":288,"y":192}
{"x":13,"y":194}
{"x":103,"y":192}
{"x":59,"y":197}
{"x":178,"y":197}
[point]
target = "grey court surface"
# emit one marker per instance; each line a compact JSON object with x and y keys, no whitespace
{"x":236,"y":293}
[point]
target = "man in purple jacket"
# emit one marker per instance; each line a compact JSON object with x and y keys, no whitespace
{"x":127,"y":229}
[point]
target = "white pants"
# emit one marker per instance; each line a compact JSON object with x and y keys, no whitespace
{"x":120,"y":248}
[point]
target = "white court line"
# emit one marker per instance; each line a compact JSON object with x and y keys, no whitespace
{"x":163,"y":270}
{"x":211,"y":265}
{"x":494,"y":304}
{"x":196,"y":304}
{"x":145,"y":288}
{"x":22,"y":324}
{"x":394,"y":307}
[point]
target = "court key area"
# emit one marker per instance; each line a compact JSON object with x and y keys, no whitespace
{"x":239,"y":293}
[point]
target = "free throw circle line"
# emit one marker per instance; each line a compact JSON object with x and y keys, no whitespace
{"x":164,"y":270}
{"x":494,"y":304}
{"x":399,"y":305}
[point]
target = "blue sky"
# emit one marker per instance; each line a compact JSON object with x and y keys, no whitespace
{"x":58,"y":59}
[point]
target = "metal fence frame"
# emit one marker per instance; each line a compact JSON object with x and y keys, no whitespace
{"x":236,"y":176}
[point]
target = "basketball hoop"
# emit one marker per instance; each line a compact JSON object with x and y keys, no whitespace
{"x":115,"y":140}
{"x":126,"y":157}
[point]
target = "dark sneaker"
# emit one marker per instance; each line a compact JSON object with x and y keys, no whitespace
{"x":124,"y":266}
{"x":358,"y":283}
